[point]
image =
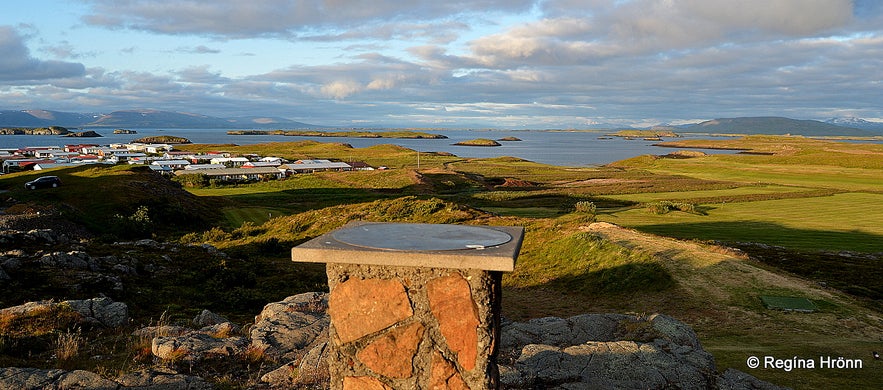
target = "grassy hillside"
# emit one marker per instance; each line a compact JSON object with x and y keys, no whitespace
{"x":106,"y":198}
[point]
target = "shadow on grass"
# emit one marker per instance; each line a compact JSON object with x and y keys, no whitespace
{"x":771,"y":234}
{"x":846,"y":260}
{"x":300,"y":200}
{"x":622,"y":279}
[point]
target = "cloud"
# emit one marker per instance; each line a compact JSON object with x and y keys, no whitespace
{"x":341,"y":89}
{"x":18,"y":66}
{"x":240,"y":19}
{"x":554,"y":63}
{"x":201,"y":49}
{"x":575,"y":32}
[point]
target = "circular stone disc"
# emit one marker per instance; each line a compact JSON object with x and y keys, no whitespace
{"x":420,"y":237}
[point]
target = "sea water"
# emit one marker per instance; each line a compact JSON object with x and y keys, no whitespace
{"x":553,"y":147}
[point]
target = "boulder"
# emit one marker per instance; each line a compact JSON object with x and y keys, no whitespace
{"x":103,"y":311}
{"x":311,"y":370}
{"x":51,"y":379}
{"x":162,"y":330}
{"x":612,"y":365}
{"x":27,"y":308}
{"x":288,"y":329}
{"x":71,"y":260}
{"x":207,"y":318}
{"x":610,"y":351}
{"x":561,"y":331}
{"x":224,"y":329}
{"x":55,"y":379}
{"x":160,"y":380}
{"x":197,"y":346}
{"x":733,"y":379}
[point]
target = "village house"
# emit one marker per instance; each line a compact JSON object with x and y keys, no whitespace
{"x":61,"y":154}
{"x":197,"y":167}
{"x":277,"y":160}
{"x":12,"y":165}
{"x":120,"y":157}
{"x":360,"y":166}
{"x":236,"y":174}
{"x":144,"y":160}
{"x":177,"y":155}
{"x":232,"y":162}
{"x":255,"y":164}
{"x":109,"y":151}
{"x":32,"y":150}
{"x":309,"y":166}
{"x":92,"y":149}
{"x":78,"y":148}
{"x":42,"y":166}
{"x":157,"y":148}
{"x":203,"y":158}
{"x":86,"y":159}
{"x":172,"y":164}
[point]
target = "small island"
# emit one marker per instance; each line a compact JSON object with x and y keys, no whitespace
{"x":347,"y":134}
{"x":478,"y":142}
{"x":84,"y":134}
{"x":654,"y":134}
{"x":509,"y":139}
{"x":51,"y":130}
{"x":162,"y":139}
{"x":124,"y":131}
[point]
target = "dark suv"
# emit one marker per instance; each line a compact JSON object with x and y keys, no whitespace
{"x":43,"y":182}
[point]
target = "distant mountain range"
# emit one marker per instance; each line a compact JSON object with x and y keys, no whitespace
{"x":142,"y":119}
{"x":136,"y":119}
{"x":779,"y":125}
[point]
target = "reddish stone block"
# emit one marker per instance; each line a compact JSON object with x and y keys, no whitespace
{"x":444,"y":376}
{"x":392,"y":354}
{"x":363,"y":383}
{"x":450,"y":301}
{"x":359,"y":307}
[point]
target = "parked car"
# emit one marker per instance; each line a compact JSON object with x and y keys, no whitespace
{"x":43,"y":182}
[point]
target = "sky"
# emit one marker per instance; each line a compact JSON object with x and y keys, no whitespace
{"x":452,"y":63}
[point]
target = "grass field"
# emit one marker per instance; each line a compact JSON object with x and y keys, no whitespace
{"x":850,"y":221}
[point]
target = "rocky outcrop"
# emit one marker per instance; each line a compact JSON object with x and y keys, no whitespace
{"x":101,"y":311}
{"x":51,"y":130}
{"x":611,"y":351}
{"x":43,"y":379}
{"x":288,"y":329}
{"x":54,"y":379}
{"x":294,"y":331}
{"x":96,"y":311}
{"x":36,"y":236}
{"x":604,"y":351}
{"x":207,"y":318}
{"x":160,"y":380}
{"x":195,"y":346}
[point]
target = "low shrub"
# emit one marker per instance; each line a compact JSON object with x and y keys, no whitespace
{"x":665,"y":207}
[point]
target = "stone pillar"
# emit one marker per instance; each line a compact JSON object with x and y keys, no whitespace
{"x":414,"y":306}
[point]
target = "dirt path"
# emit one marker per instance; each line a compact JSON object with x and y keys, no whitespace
{"x":731,"y":284}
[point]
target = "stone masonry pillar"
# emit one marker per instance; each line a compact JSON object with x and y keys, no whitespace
{"x":414,"y":306}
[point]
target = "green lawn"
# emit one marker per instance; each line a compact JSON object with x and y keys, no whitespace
{"x":722,"y":193}
{"x":820,"y":176}
{"x":852,"y":221}
{"x":236,"y":216}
